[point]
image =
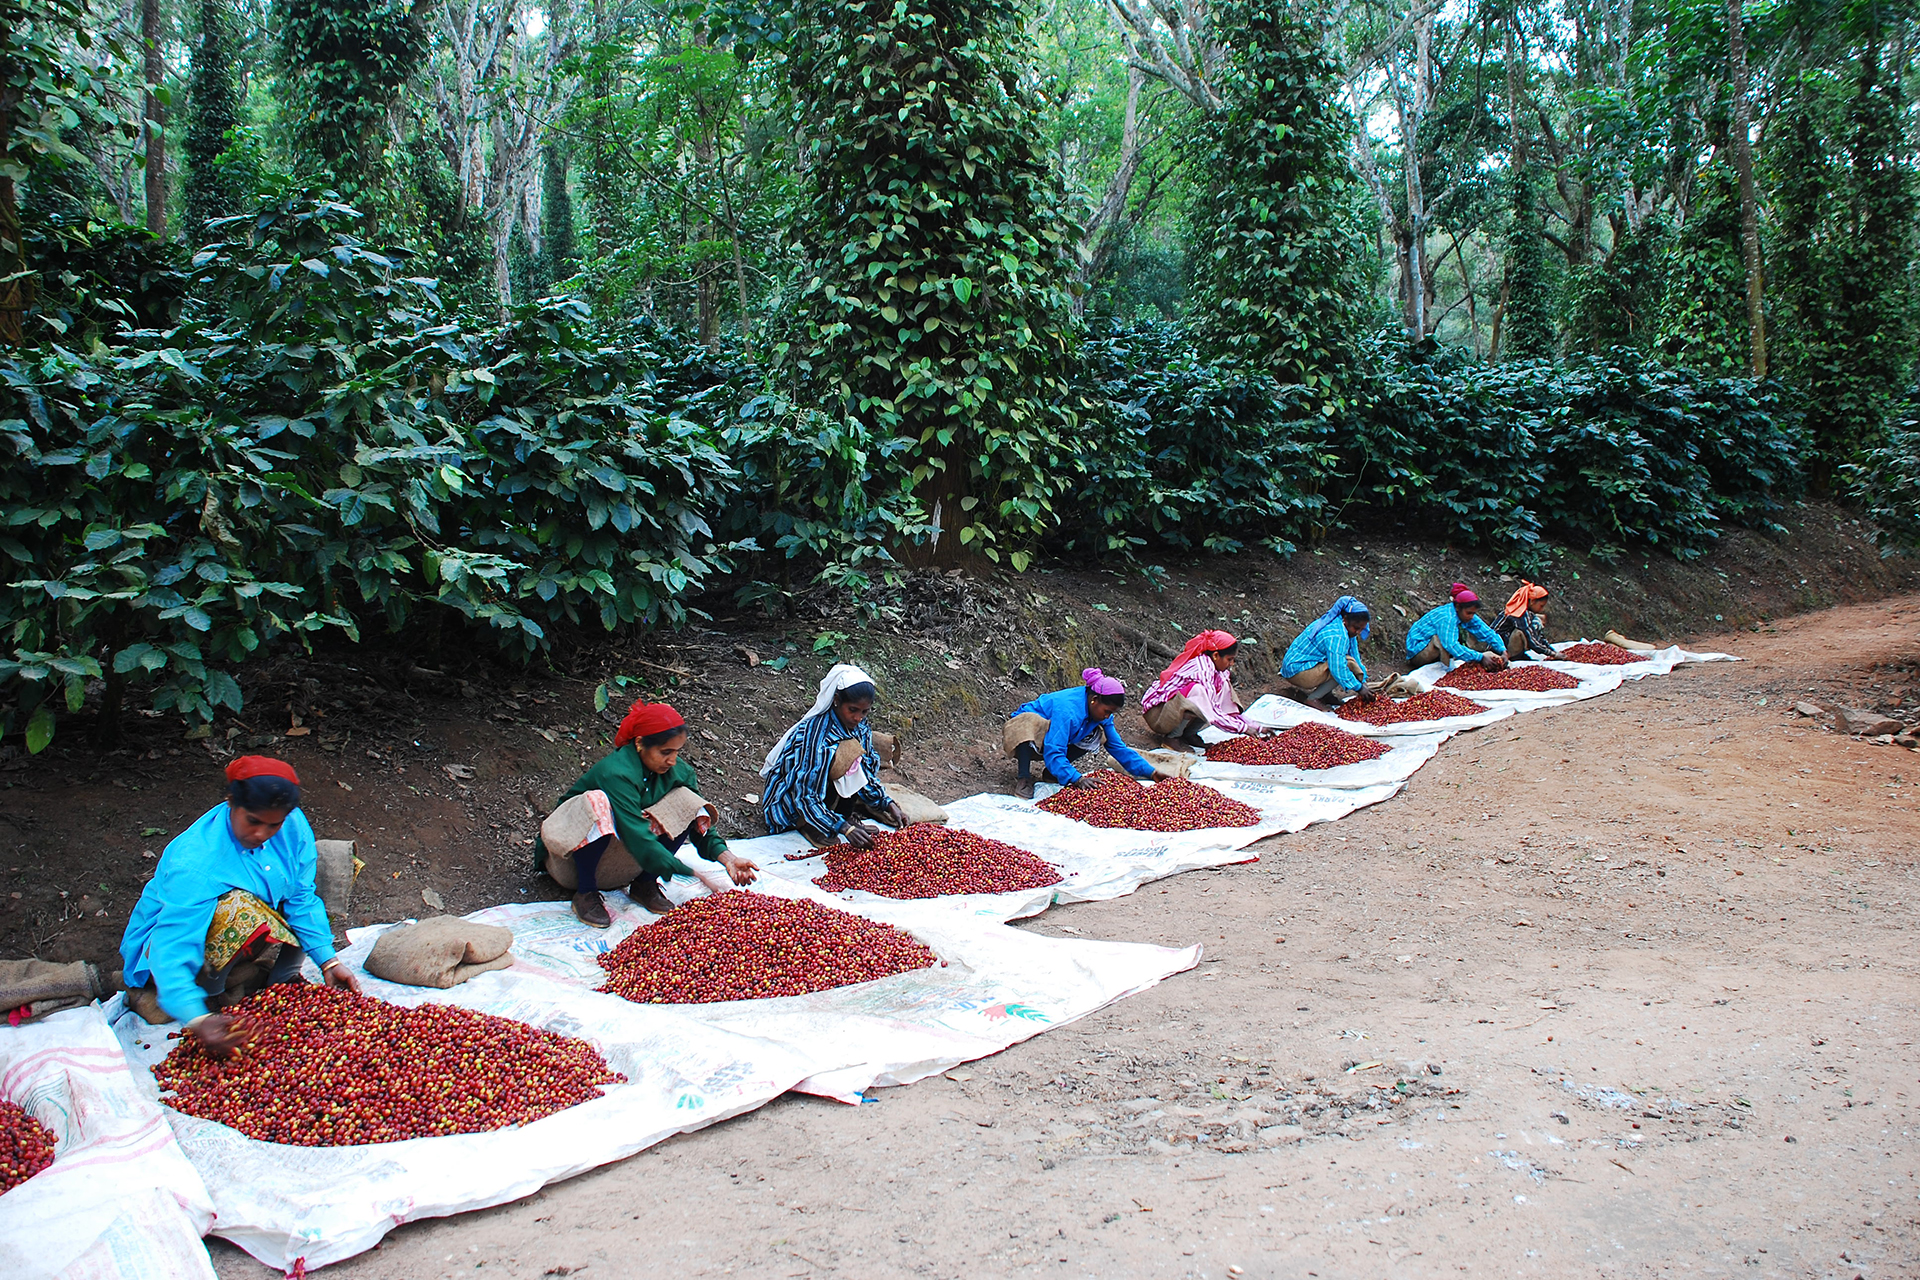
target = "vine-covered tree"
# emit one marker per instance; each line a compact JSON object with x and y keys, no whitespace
{"x":1274,"y":270}
{"x":213,"y":188}
{"x":347,"y":61}
{"x":1527,"y":319}
{"x":933,"y":284}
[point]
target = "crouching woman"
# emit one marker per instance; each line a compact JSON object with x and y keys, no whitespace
{"x":823,"y":778}
{"x":1062,"y":726}
{"x":231,"y":908}
{"x":623,"y":822}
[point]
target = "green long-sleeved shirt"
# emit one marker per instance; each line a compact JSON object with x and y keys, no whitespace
{"x":631,"y":789}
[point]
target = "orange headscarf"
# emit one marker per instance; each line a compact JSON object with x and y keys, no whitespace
{"x":1205,"y":642}
{"x":1517,"y":602}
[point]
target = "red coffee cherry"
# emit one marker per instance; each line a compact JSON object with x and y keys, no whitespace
{"x":1171,"y":804}
{"x":753,"y":946}
{"x":1438,"y":705}
{"x":1529,"y":676}
{"x":928,"y":860}
{"x":327,"y":1068}
{"x":26,"y":1146}
{"x":1600,"y":654}
{"x":1305,"y":746}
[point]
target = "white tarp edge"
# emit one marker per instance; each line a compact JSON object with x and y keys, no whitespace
{"x":1657,"y":663}
{"x":120,"y":1198}
{"x":285,"y":1204}
{"x":1283,"y":713}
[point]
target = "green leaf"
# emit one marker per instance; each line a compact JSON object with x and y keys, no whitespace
{"x":40,"y":729}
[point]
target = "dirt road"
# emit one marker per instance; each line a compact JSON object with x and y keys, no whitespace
{"x":1625,"y":988}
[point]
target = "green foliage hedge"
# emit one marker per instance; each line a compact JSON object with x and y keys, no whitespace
{"x":318,"y":445}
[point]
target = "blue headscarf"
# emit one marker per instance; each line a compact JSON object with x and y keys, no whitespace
{"x":1341,"y":608}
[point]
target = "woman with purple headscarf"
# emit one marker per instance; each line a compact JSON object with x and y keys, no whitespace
{"x":1061,"y":727}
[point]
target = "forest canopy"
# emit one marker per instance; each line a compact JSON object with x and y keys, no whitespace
{"x":322,"y":317}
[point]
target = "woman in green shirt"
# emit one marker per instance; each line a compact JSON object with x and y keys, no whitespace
{"x":624,"y":821}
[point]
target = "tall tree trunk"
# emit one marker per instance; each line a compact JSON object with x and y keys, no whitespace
{"x":1109,"y":223}
{"x":1749,"y":207}
{"x":155,"y":117}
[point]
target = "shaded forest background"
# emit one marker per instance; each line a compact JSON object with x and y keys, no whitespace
{"x":359,"y":317}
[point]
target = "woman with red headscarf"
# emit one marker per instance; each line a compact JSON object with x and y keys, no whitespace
{"x":1435,"y":635}
{"x":622,"y":823}
{"x":231,"y":908}
{"x":1196,"y":690}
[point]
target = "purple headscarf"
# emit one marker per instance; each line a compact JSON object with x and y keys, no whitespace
{"x":1102,"y":684}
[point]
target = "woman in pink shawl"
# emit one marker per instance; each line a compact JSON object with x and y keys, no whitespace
{"x":1195,"y":691}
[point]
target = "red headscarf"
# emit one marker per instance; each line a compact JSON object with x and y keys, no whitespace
{"x":1205,"y":642}
{"x":1461,"y":595}
{"x":646,"y":718}
{"x":261,"y":766}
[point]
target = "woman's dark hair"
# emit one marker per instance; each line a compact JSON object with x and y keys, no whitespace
{"x":1358,"y":615}
{"x":862,"y":692}
{"x":265,"y":793}
{"x":663,"y":737}
{"x":1229,"y":649}
{"x":1120,"y":699}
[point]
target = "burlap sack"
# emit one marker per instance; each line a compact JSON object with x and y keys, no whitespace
{"x":1028,"y":726}
{"x":677,"y":810}
{"x":585,"y":817}
{"x":1174,"y":764}
{"x":848,"y":754}
{"x":441,"y":951}
{"x":1169,"y":717}
{"x":916,"y":807}
{"x":42,"y":987}
{"x":336,"y":868}
{"x":886,"y":747}
{"x":1637,"y":646}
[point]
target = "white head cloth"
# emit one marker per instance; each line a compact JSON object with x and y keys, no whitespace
{"x":842,"y":675}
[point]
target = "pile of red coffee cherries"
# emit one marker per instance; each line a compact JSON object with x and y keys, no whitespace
{"x":755,"y":946}
{"x":1305,"y":746}
{"x":1171,"y":804}
{"x":928,"y":860}
{"x":1438,"y":705}
{"x":327,"y":1068}
{"x":1598,"y":653}
{"x":26,"y":1146}
{"x":1528,"y":676}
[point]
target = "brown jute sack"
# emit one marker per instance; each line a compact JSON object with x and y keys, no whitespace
{"x":848,"y":754}
{"x":1637,"y":646}
{"x":1028,"y":726}
{"x":1174,"y":764}
{"x":440,"y":951}
{"x":677,"y":810}
{"x":42,"y":987}
{"x":335,"y":870}
{"x":916,"y":807}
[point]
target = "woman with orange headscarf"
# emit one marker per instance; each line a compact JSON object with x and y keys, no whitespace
{"x":623,"y":822}
{"x":1196,"y":690}
{"x":1522,"y":625}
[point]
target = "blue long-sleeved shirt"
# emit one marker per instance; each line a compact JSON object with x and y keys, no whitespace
{"x":1443,"y":624}
{"x":166,"y":940}
{"x":1069,"y":725}
{"x":1326,"y":642}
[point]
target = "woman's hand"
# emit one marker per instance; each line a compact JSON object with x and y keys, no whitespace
{"x":858,"y":835}
{"x":336,"y":974}
{"x":220,"y":1034}
{"x":1084,"y":783}
{"x":742,"y":871}
{"x":895,"y":814}
{"x":1493,"y":661}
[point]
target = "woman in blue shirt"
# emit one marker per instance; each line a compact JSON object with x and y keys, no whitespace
{"x":823,"y":776}
{"x":1061,"y":727}
{"x":230,"y":889}
{"x":1435,"y":637}
{"x":1324,"y":660}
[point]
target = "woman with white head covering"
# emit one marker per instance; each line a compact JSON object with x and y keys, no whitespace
{"x":823,"y":776}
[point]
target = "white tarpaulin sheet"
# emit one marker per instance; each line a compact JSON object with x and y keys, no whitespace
{"x":1594,"y":681}
{"x":1283,"y":713}
{"x":1402,"y":761}
{"x":285,"y":1205}
{"x":119,"y":1200}
{"x":770,"y":852}
{"x":1000,"y":985}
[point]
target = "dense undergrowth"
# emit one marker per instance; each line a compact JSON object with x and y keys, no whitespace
{"x":318,"y":443}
